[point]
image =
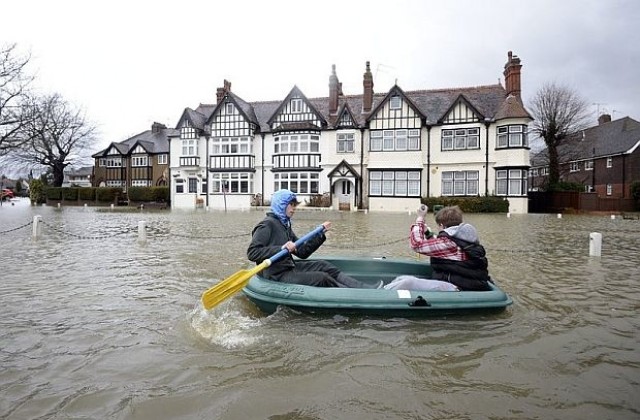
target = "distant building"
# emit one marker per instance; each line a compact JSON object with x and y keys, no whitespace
{"x":140,"y":161}
{"x":378,"y":151}
{"x":78,"y":177}
{"x":604,"y":158}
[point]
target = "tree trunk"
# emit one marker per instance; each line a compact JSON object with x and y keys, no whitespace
{"x":554,"y":165}
{"x":58,"y":175}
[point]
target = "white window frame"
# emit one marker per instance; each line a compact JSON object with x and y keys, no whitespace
{"x":113,"y":162}
{"x":346,"y":142}
{"x":231,"y":146}
{"x":512,"y":136}
{"x":395,"y":102}
{"x":588,"y":165}
{"x":394,"y":140}
{"x":460,"y":183}
{"x":296,"y":143}
{"x":609,"y":189}
{"x":139,"y":161}
{"x":511,"y":182}
{"x":296,"y":106}
{"x":394,"y":183}
{"x":179,"y":186}
{"x":236,"y":182}
{"x":163,"y":159}
{"x":574,"y":167}
{"x":189,"y":147}
{"x":609,"y":162}
{"x":460,"y":139}
{"x":297,"y":182}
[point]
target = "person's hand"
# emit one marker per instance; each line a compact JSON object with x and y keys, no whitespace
{"x":422,"y":211}
{"x":290,"y":246}
{"x":327,"y":225}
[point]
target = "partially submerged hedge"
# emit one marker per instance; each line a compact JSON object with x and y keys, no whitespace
{"x":488,"y":204}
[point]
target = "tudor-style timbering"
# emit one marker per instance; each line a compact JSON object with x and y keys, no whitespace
{"x":379,"y":151}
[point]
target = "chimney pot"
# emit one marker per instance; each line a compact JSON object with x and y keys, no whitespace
{"x":604,"y":118}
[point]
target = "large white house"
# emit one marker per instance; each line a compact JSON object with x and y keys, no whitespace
{"x":376,"y":151}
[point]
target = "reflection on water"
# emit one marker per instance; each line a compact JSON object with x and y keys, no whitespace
{"x":96,"y":324}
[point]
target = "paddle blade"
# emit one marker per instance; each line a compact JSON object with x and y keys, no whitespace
{"x":230,"y":285}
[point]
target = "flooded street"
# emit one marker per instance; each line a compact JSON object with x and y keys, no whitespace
{"x":98,"y":324}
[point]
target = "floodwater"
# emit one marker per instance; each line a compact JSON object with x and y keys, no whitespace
{"x":98,"y":324}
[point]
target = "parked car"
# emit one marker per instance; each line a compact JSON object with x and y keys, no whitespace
{"x":6,"y":194}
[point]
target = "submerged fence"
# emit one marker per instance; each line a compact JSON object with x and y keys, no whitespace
{"x":140,"y":233}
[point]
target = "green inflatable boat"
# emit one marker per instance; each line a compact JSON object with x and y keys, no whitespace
{"x":268,"y":295}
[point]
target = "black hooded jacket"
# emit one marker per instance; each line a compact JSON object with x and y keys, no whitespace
{"x":471,"y":274}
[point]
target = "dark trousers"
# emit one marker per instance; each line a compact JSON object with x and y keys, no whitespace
{"x":319,"y":273}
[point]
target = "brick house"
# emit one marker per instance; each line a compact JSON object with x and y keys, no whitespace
{"x":139,"y":161}
{"x":604,"y":158}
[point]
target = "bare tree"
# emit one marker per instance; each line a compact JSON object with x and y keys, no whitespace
{"x":58,"y":135}
{"x":559,"y":113}
{"x":14,"y":82}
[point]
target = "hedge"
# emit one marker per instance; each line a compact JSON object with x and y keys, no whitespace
{"x":485,"y":204}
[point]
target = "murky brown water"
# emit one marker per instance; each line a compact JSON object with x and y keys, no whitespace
{"x":95,"y":324}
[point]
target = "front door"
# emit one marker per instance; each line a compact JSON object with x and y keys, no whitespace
{"x":344,"y":195}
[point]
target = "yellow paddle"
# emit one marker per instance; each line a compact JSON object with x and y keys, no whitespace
{"x":235,"y":282}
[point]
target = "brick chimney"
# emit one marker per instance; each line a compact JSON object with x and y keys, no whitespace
{"x":156,"y":127}
{"x":512,"y":75}
{"x":335,"y":90}
{"x":367,"y":83}
{"x":604,"y":118}
{"x":221,"y":91}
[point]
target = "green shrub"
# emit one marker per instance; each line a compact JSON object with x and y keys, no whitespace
{"x":565,"y":186}
{"x":36,"y":192}
{"x":488,"y":204}
{"x":160,"y":194}
{"x":149,"y":194}
{"x":107,"y":194}
{"x":53,"y":193}
{"x":87,"y":194}
{"x":69,"y":194}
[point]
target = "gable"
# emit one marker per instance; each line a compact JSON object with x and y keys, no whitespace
{"x":296,"y":111}
{"x":229,"y":119}
{"x":461,"y":111}
{"x":113,"y":151}
{"x":345,"y":118}
{"x":395,"y":111}
{"x":344,"y":169}
{"x":139,"y":150}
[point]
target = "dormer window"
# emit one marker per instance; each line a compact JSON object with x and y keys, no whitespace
{"x":296,"y":105}
{"x":395,"y":102}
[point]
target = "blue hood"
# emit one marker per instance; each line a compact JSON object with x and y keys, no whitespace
{"x":279,"y":202}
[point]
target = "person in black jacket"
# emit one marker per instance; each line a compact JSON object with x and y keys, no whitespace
{"x":274,"y":233}
{"x":457,"y":257}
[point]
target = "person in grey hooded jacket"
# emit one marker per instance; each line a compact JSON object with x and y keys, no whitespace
{"x":456,"y":254}
{"x":274,"y":233}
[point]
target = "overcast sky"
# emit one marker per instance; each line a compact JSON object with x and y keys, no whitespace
{"x":130,"y":63}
